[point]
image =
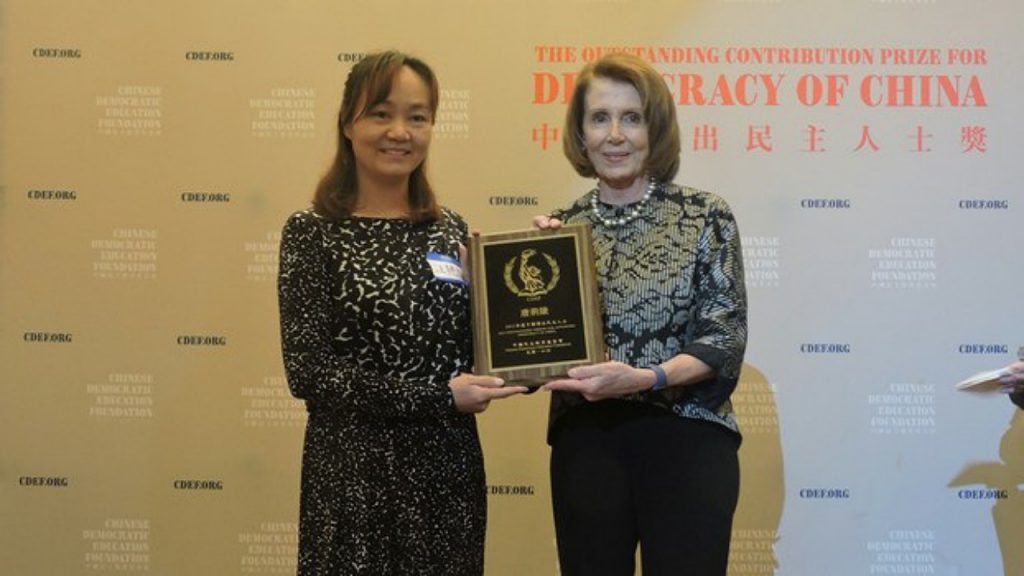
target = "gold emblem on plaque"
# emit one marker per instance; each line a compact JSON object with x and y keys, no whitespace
{"x":525,"y":278}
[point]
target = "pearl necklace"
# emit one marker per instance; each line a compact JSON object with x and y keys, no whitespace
{"x":622,"y":220}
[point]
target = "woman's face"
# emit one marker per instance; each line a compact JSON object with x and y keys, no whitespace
{"x":391,"y":139}
{"x":615,"y":132}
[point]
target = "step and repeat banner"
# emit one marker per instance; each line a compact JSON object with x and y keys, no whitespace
{"x":151,"y":152}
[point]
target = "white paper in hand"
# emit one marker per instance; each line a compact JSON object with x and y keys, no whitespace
{"x":984,"y":382}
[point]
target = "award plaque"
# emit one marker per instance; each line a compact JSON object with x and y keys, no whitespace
{"x":536,"y":310}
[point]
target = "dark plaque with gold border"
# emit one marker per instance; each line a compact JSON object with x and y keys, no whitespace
{"x":536,"y":310}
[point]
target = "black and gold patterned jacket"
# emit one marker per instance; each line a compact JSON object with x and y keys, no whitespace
{"x":671,"y":283}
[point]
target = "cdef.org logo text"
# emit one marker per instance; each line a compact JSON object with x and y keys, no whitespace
{"x":202,"y":340}
{"x":48,"y":337}
{"x":52,"y":195}
{"x":207,"y":56}
{"x":834,"y":348}
{"x":996,"y":349}
{"x":72,"y":53}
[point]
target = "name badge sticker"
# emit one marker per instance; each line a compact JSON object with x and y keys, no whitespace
{"x":446,"y":268}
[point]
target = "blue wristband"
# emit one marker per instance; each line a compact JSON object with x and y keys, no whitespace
{"x":660,"y":378}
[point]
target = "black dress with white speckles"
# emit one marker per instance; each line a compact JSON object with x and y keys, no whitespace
{"x":392,"y":475}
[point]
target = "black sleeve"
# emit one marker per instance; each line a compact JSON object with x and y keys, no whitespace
{"x":315,"y":372}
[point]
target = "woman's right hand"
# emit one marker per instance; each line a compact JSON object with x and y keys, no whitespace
{"x":543,"y":222}
{"x":474,"y":393}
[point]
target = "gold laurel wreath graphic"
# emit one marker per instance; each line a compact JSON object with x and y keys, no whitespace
{"x":556,"y":274}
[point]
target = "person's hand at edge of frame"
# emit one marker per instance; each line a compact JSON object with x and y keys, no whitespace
{"x":1013,"y":380}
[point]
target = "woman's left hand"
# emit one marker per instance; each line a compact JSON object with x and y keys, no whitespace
{"x":604,"y":380}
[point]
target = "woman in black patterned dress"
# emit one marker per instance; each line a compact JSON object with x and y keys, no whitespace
{"x":376,"y":339}
{"x":644,"y":446}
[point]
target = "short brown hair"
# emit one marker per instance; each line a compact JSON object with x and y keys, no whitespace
{"x":369,"y":83}
{"x":659,"y":114}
